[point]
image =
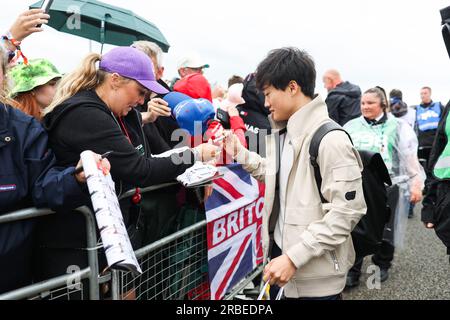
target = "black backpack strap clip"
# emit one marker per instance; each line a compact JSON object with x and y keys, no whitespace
{"x":314,"y":150}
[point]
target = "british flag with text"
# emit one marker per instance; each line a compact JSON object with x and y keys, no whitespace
{"x":234,"y":216}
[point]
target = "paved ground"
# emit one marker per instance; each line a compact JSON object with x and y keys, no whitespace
{"x":420,"y":271}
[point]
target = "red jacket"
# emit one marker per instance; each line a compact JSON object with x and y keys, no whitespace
{"x":195,"y":86}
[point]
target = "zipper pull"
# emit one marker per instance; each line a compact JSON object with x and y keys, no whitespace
{"x":336,"y":264}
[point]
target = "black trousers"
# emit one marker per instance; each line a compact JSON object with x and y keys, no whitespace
{"x":383,"y":258}
{"x":441,"y":215}
{"x":424,"y":156}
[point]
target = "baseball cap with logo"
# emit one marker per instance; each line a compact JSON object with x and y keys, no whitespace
{"x":133,"y":64}
{"x":174,"y":98}
{"x":36,"y":73}
{"x":188,"y":112}
{"x":192,"y":61}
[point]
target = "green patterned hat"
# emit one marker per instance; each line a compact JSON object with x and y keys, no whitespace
{"x":36,"y":73}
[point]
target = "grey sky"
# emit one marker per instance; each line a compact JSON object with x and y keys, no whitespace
{"x":388,"y":43}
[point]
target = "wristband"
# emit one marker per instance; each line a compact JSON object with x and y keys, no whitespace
{"x":16,"y":43}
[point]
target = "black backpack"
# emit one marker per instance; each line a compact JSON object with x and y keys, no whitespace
{"x":368,"y":233}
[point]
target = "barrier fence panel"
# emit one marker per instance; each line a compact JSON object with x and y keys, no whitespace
{"x":64,"y":287}
{"x":239,"y":288}
{"x":174,"y":268}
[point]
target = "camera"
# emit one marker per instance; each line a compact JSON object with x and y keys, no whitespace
{"x":224,"y":118}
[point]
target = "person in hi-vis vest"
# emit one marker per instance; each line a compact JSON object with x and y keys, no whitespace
{"x":428,"y":114}
{"x":436,"y":203}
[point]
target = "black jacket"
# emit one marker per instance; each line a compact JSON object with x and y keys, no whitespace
{"x":430,"y":200}
{"x":84,"y":122}
{"x":255,"y":116}
{"x":156,"y":143}
{"x":344,"y":102}
{"x":166,"y":125}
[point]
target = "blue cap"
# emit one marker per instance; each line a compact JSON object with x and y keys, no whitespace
{"x":194,"y":113}
{"x":174,"y":98}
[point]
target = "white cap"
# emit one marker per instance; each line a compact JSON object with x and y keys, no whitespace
{"x":192,"y":61}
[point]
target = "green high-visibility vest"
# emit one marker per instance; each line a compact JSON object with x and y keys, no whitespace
{"x":442,"y":166}
{"x":380,"y":138}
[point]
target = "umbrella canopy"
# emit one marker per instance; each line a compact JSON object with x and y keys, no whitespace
{"x":102,"y":22}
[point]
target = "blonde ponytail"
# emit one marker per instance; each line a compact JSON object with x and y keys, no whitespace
{"x":85,"y":77}
{"x":4,"y":85}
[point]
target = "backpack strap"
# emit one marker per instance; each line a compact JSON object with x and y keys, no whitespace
{"x":314,"y":150}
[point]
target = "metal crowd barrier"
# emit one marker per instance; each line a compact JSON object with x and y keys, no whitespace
{"x":64,"y":286}
{"x":174,"y":268}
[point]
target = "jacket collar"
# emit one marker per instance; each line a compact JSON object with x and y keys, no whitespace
{"x":303,"y":123}
{"x":426,"y":105}
{"x":306,"y":120}
{"x":379,"y":120}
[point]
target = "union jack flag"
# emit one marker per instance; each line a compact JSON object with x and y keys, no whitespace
{"x":234,"y":216}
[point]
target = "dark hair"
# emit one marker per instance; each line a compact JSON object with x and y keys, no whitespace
{"x":235,"y":79}
{"x":284,"y":65}
{"x":396,"y":93}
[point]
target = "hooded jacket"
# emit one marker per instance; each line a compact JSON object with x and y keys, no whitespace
{"x":344,"y":102}
{"x":84,"y":122}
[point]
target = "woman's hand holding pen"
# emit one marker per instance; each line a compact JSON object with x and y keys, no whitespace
{"x":102,"y":163}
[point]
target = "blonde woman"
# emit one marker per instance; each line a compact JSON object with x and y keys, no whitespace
{"x":94,"y":110}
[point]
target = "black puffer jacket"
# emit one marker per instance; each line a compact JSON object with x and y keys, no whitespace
{"x":344,"y":102}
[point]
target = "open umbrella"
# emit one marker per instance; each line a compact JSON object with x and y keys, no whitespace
{"x":102,"y":22}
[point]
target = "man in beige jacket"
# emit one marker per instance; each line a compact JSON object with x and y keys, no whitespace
{"x":312,"y":249}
